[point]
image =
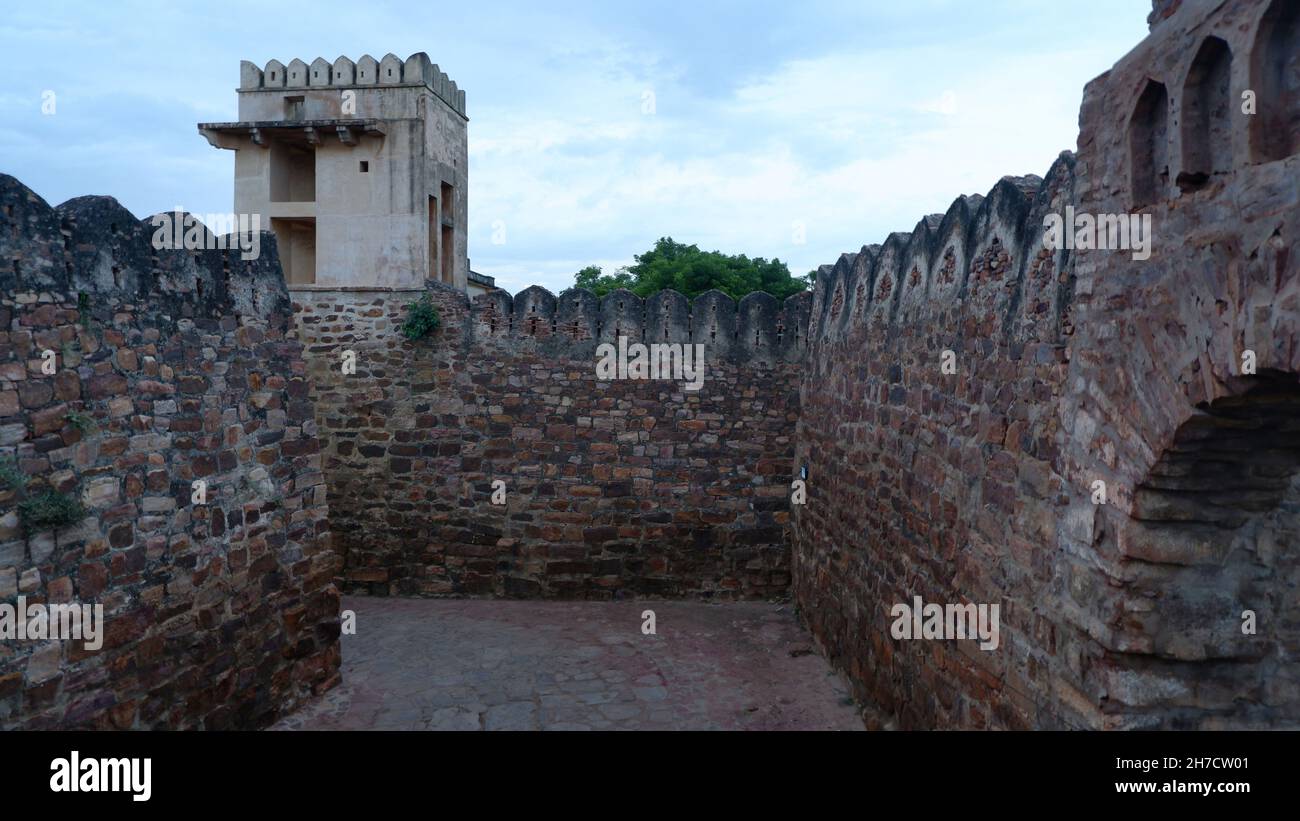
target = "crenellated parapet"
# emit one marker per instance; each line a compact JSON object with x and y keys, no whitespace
{"x":150,"y":383}
{"x":986,"y":256}
{"x":760,"y":328}
{"x":1046,"y":286}
{"x":94,"y":246}
{"x":391,"y":70}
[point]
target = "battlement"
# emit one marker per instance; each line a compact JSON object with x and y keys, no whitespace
{"x":758,"y":328}
{"x":985,"y":255}
{"x":92,"y":245}
{"x":417,"y":69}
{"x":131,"y":372}
{"x":361,"y":169}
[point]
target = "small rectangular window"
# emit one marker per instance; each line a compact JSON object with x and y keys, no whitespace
{"x":365,"y":167}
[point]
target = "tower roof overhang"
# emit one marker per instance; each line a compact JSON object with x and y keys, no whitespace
{"x":308,"y":133}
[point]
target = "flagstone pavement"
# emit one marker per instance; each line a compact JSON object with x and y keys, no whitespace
{"x":475,"y":664}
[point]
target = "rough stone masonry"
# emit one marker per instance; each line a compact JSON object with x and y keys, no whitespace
{"x":1168,"y":385}
{"x":170,"y":368}
{"x":1172,"y":380}
{"x":610,"y":487}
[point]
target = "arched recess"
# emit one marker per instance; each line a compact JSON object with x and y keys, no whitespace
{"x":1233,"y":460}
{"x":1207,"y":115}
{"x":1212,"y":538}
{"x":1275,"y":77}
{"x":1148,"y":136}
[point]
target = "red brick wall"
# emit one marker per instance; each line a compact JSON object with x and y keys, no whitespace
{"x":615,"y":487}
{"x":923,"y":483}
{"x":219,"y":615}
{"x":977,"y":487}
{"x":1156,"y":374}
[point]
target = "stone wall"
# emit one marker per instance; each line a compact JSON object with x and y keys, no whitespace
{"x":1074,"y":368}
{"x":1199,"y":454}
{"x":1102,"y":443}
{"x":170,"y":366}
{"x":934,"y":484}
{"x":612,"y":486}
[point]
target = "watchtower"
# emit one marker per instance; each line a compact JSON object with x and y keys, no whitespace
{"x":361,"y":169}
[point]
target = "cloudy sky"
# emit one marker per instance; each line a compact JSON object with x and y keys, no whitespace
{"x":775,"y":129}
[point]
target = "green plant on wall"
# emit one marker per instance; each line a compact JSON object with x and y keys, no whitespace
{"x":11,"y":477}
{"x":81,"y":422}
{"x":421,"y":319}
{"x":44,"y":511}
{"x":83,"y":309}
{"x":50,"y":510}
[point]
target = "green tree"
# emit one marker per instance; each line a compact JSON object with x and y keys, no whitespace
{"x":601,"y":284}
{"x":685,"y":268}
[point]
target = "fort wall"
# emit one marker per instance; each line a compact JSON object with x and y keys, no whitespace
{"x":170,"y":367}
{"x":1102,"y":442}
{"x":612,"y":486}
{"x":1074,"y":367}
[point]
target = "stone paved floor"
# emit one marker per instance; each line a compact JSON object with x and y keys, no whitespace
{"x":421,"y":664}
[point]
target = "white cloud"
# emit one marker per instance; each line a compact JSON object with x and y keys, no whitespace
{"x":842,"y":145}
{"x":760,"y":120}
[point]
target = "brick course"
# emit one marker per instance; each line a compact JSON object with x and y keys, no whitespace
{"x":613,"y":487}
{"x":1072,"y":368}
{"x":218,"y":616}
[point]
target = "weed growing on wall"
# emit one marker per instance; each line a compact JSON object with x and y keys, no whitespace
{"x":45,"y":511}
{"x":11,"y":478}
{"x":83,"y":309}
{"x":421,"y":319}
{"x":81,"y":422}
{"x":50,"y":510}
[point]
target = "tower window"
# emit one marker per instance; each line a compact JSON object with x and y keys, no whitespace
{"x":365,"y":166}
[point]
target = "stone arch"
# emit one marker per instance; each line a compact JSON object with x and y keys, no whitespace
{"x":1275,"y":77}
{"x":1210,"y":537}
{"x":1148,"y":135}
{"x":1207,"y":115}
{"x":1231,"y":460}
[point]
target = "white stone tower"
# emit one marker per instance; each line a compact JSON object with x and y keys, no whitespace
{"x":360,"y":169}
